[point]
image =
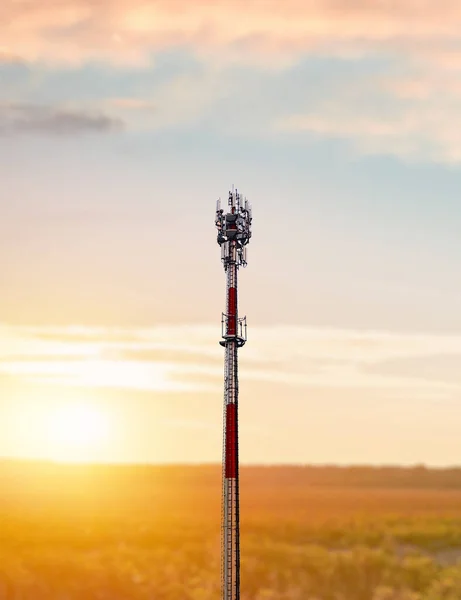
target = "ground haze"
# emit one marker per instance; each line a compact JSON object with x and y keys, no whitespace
{"x":140,"y":532}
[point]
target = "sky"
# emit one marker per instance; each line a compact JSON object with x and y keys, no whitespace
{"x":122,"y":122}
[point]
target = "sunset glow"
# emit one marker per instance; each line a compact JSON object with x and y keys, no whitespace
{"x":74,"y":432}
{"x":123,"y":121}
{"x":142,"y":144}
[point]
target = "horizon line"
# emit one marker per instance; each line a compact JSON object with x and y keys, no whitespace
{"x":217,"y":464}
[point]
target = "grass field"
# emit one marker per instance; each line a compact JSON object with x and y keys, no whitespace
{"x":139,"y":533}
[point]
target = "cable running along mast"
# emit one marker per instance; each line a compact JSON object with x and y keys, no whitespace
{"x":234,"y":233}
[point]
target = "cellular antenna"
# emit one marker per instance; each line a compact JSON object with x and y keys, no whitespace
{"x":234,"y":233}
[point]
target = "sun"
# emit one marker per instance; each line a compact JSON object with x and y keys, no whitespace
{"x":76,"y":432}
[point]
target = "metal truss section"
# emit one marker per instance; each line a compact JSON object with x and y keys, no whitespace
{"x":234,"y":233}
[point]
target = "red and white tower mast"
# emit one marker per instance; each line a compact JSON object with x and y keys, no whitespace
{"x":234,"y":233}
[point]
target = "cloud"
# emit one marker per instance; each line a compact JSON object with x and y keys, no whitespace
{"x":438,"y":367}
{"x":183,"y":99}
{"x":28,"y":118}
{"x":10,"y":59}
{"x":421,"y":39}
{"x":414,"y":116}
{"x":129,"y":31}
{"x":100,"y":373}
{"x":132,"y":104}
{"x":371,"y":134}
{"x":187,"y":358}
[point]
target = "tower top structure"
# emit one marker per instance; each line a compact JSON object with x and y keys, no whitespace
{"x":234,"y":229}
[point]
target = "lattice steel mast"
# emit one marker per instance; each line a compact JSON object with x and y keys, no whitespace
{"x":234,"y":233}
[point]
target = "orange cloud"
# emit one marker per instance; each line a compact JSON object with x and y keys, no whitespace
{"x":129,"y":31}
{"x":301,"y":357}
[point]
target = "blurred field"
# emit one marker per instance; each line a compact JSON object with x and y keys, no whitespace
{"x":138,"y":533}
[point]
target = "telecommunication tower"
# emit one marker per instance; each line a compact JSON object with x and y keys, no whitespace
{"x":234,"y":233}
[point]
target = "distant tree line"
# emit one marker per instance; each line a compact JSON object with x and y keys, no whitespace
{"x":18,"y":473}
